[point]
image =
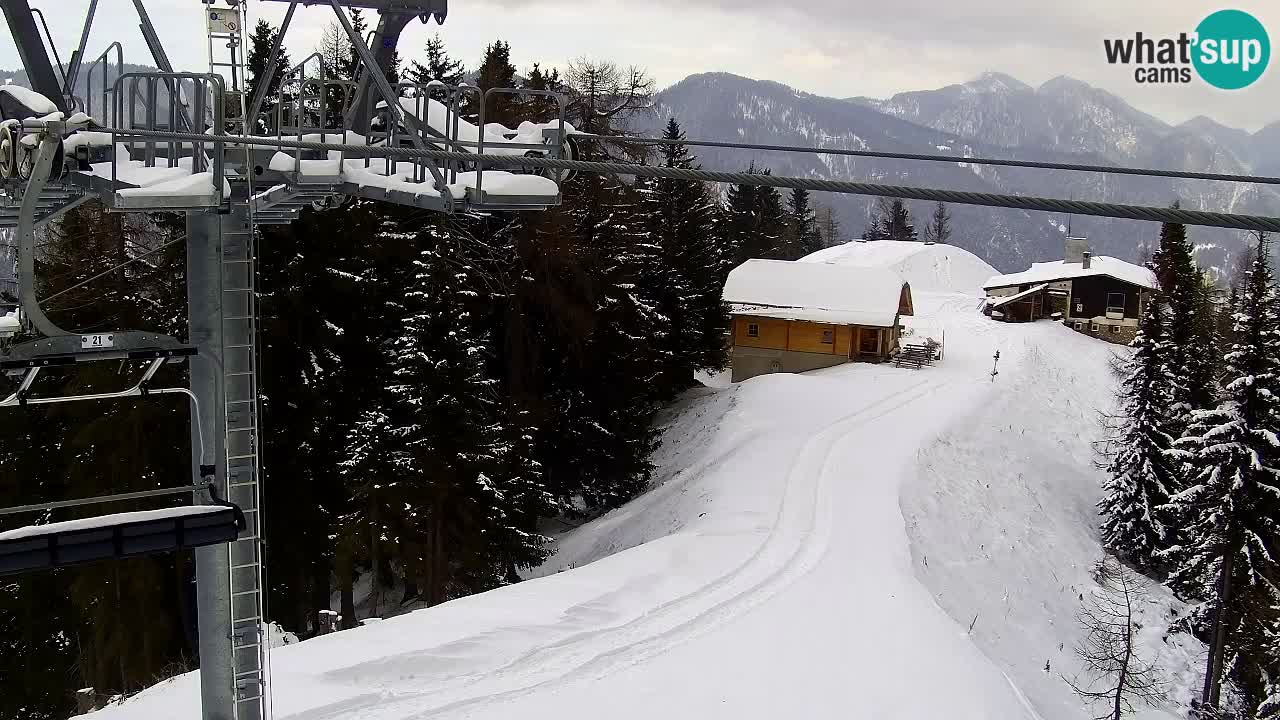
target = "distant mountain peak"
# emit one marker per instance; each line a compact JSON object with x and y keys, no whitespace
{"x":992,"y":81}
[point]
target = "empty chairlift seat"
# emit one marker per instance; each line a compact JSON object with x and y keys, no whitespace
{"x":120,"y":535}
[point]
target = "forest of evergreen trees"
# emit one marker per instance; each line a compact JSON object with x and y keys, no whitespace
{"x":435,"y":390}
{"x":1194,"y":492}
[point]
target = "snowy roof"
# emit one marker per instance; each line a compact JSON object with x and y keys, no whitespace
{"x":1060,"y":270}
{"x":1011,"y":298}
{"x":107,"y":521}
{"x":815,"y":291}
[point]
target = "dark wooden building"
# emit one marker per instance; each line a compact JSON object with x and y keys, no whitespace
{"x":1099,"y":296}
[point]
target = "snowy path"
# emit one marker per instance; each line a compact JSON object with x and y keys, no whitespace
{"x":840,"y":624}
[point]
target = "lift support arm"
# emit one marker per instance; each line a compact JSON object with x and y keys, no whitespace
{"x":35,"y":57}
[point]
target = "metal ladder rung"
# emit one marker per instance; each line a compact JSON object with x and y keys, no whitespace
{"x":243,"y":484}
{"x":239,"y":373}
{"x":246,"y":538}
{"x":237,"y":317}
{"x":254,"y":618}
{"x":246,"y":646}
{"x":247,"y":673}
{"x":253,"y":428}
{"x":242,"y":566}
{"x":241,"y":593}
{"x":243,"y":457}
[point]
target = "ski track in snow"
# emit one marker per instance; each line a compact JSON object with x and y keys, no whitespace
{"x":795,"y":542}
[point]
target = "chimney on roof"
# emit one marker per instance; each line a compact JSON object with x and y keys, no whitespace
{"x":1085,"y":257}
{"x":1075,"y":250}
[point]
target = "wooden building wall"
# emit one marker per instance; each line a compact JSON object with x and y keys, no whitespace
{"x":1089,"y":296}
{"x":798,"y":336}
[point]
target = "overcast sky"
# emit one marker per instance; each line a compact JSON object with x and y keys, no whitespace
{"x":830,"y":47}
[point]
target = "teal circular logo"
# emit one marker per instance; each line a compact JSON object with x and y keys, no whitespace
{"x":1231,"y":49}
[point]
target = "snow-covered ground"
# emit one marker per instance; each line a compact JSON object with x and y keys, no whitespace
{"x":814,"y":546}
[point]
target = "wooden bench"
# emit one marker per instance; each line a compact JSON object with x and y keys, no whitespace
{"x":915,"y":356}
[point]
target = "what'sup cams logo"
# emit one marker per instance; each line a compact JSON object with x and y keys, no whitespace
{"x":1229,"y":50}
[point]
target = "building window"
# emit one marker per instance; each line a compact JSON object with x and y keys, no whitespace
{"x":1115,"y":328}
{"x":1093,"y":328}
{"x":870,"y":341}
{"x":753,"y":330}
{"x":1115,"y":303}
{"x":828,"y":337}
{"x":1079,"y":326}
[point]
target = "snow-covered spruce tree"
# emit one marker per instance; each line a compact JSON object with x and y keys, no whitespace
{"x":459,"y":475}
{"x":1141,"y":471}
{"x":680,"y":219}
{"x":1225,"y":555}
{"x":1191,"y":335}
{"x":611,"y":398}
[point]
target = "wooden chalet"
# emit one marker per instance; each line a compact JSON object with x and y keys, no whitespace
{"x":796,"y":316}
{"x":1099,"y":296}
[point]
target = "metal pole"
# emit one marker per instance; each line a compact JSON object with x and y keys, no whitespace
{"x":385,"y":39}
{"x":77,"y":57}
{"x":45,"y":152}
{"x":213,"y":580}
{"x":152,"y":38}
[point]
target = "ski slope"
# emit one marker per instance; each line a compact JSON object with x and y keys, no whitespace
{"x":814,"y":546}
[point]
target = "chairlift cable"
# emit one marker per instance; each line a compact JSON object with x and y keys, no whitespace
{"x":1020,"y":202}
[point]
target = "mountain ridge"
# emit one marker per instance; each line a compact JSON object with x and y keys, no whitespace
{"x":996,"y":115}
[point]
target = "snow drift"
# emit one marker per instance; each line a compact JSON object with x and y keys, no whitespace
{"x":928,"y":268}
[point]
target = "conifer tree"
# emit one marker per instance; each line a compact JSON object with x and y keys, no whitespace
{"x":261,"y":42}
{"x":540,"y":108}
{"x":892,"y":221}
{"x":617,"y":392}
{"x":939,"y":228}
{"x":439,"y":66}
{"x":680,"y":221}
{"x":754,"y":222}
{"x":1142,"y":475}
{"x":471,"y":491}
{"x":1225,"y":557}
{"x":802,"y":237}
{"x":496,"y":71}
{"x":897,"y":223}
{"x":1191,"y":336}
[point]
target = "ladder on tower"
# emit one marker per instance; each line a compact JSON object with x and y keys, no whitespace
{"x":226,"y":22}
{"x":227,"y":58}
